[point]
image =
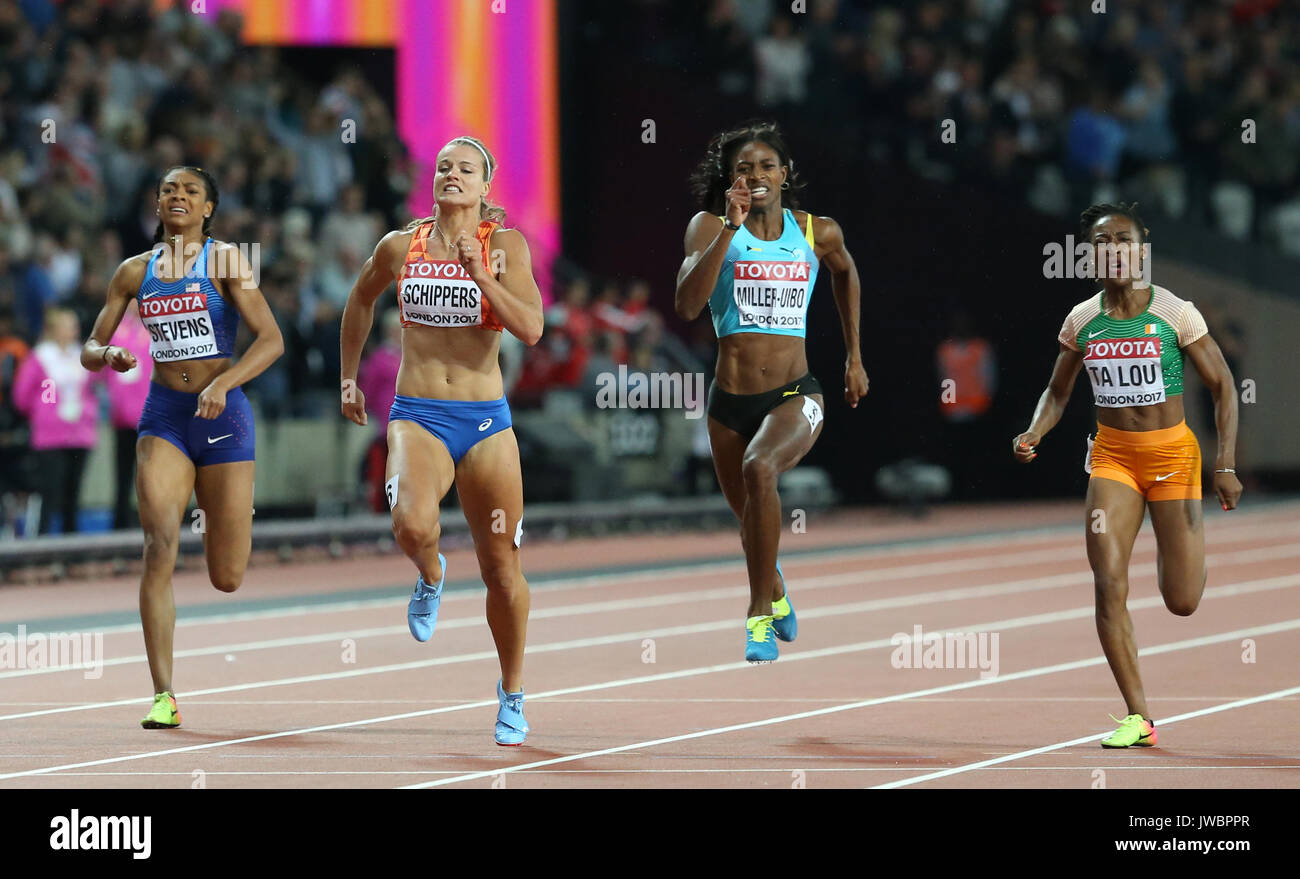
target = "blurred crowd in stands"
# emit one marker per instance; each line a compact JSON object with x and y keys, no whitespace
{"x":96,"y":101}
{"x":1050,"y":100}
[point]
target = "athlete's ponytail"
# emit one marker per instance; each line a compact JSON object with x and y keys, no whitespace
{"x":209,"y":183}
{"x":712,"y":177}
{"x":487,"y":210}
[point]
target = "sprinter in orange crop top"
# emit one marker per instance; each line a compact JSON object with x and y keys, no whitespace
{"x":462,"y":279}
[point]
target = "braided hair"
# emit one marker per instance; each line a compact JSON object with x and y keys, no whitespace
{"x":712,"y":177}
{"x":1089,"y":218}
{"x":209,"y":183}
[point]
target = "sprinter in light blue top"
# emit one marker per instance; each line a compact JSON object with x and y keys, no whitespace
{"x":765,"y":286}
{"x":753,"y":257}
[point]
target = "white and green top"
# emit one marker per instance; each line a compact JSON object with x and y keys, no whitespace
{"x":1134,"y":362}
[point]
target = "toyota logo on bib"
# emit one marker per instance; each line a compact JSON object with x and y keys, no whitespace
{"x":487,"y":422}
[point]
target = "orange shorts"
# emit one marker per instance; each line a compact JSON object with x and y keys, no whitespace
{"x":1161,"y":465}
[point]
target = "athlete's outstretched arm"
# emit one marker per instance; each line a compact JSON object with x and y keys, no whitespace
{"x":96,"y":354}
{"x":846,"y":287}
{"x":268,"y":343}
{"x":515,"y":299}
{"x":707,"y":240}
{"x":1050,"y":405}
{"x":1213,"y":369}
{"x":359,"y":317}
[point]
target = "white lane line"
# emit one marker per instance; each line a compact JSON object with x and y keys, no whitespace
{"x":901,"y":572}
{"x":1188,"y":644}
{"x":792,"y":764}
{"x":920,"y":569}
{"x":1089,"y":739}
{"x":1227,"y":534}
{"x":1037,"y":619}
{"x":966,"y":592}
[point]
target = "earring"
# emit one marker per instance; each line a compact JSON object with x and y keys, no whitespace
{"x":785,"y":185}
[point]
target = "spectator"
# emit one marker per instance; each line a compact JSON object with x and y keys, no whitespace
{"x":15,"y":476}
{"x":57,"y":395}
{"x":377,"y":380}
{"x":781,"y":59}
{"x":126,"y":395}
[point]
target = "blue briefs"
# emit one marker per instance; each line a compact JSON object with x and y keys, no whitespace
{"x":229,"y":437}
{"x":460,"y":424}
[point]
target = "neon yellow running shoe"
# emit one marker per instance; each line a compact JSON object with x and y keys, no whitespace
{"x":1134,"y":730}
{"x":164,"y":714}
{"x":760,"y":645}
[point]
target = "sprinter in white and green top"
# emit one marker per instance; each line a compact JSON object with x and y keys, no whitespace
{"x":1132,"y":338}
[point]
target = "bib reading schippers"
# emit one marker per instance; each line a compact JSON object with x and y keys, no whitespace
{"x":1134,"y":362}
{"x":439,"y":292}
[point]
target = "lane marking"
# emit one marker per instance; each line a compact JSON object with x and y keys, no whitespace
{"x":684,"y":673}
{"x":1090,"y":739}
{"x":793,"y":765}
{"x":1190,"y":643}
{"x":1228,"y":534}
{"x":1235,"y":557}
{"x":1029,"y":585}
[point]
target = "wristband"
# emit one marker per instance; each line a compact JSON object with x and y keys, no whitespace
{"x":1227,"y":470}
{"x":105,"y":352}
{"x":727,"y":225}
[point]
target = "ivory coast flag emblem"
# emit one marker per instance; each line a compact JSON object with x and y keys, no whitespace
{"x":1151,"y":329}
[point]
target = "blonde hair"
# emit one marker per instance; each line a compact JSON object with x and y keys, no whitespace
{"x":486,"y":210}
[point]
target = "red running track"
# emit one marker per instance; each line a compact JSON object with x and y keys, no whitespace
{"x":636,"y":677}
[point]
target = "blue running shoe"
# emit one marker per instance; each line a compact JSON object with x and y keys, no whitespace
{"x":422,"y":611}
{"x":512,"y":729}
{"x":784,"y":622}
{"x":760,"y":645}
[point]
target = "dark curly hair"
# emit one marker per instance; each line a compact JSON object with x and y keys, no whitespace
{"x":209,"y":183}
{"x":712,"y":177}
{"x":1094,"y":213}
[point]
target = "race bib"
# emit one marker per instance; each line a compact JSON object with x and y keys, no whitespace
{"x":1125,"y":372}
{"x":771,"y":294}
{"x":439,"y":293}
{"x":179,"y":325}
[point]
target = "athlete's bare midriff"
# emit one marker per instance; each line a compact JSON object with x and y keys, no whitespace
{"x":751,"y":363}
{"x":1156,"y":416}
{"x":450,"y":363}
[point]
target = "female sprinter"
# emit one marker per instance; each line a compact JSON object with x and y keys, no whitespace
{"x":1132,"y":340}
{"x":196,"y":431}
{"x":462,"y":279}
{"x":754,"y":262}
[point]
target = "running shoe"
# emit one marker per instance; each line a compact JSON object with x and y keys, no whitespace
{"x":512,"y":729}
{"x":1134,"y":730}
{"x":164,"y":714}
{"x":784,"y":622}
{"x":760,"y":643}
{"x":422,"y":611}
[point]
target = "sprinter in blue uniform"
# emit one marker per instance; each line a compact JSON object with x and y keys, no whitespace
{"x":196,"y":431}
{"x":754,"y":260}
